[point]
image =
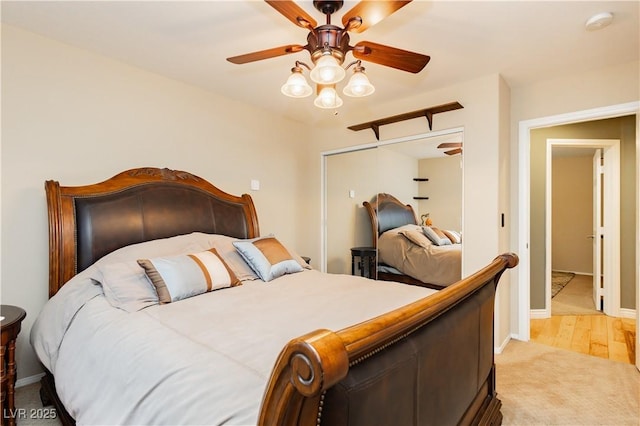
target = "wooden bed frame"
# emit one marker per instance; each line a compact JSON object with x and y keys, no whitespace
{"x":387,"y":212}
{"x":429,"y":362}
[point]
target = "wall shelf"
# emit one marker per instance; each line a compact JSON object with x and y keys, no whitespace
{"x":426,"y":112}
{"x":420,"y":198}
{"x":421,"y":179}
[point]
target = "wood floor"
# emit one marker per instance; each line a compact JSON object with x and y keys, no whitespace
{"x":598,"y":335}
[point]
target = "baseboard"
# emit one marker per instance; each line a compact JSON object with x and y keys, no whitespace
{"x":29,"y":380}
{"x":574,"y":272}
{"x":539,"y":314}
{"x":627,"y":313}
{"x":499,"y":349}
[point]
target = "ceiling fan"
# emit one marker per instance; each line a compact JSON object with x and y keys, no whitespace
{"x":328,"y":46}
{"x":457,"y":147}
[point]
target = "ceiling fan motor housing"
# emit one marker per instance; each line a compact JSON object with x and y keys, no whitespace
{"x":331,"y":37}
{"x":328,"y":7}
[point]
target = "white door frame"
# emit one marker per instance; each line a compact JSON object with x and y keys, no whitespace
{"x":611,"y":246}
{"x":523,"y":304}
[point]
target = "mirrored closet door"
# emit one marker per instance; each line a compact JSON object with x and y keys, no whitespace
{"x":424,"y":171}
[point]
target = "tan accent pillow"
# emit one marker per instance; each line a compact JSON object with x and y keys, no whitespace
{"x":273,"y":250}
{"x":268,"y":257}
{"x":416,"y":237}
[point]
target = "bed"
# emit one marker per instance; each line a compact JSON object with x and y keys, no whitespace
{"x":404,"y":253}
{"x":294,"y":349}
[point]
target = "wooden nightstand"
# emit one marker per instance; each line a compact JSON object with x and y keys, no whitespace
{"x":366,"y":262}
{"x":11,"y":324}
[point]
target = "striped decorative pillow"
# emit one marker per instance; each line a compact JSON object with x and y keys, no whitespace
{"x":436,"y":236}
{"x":179,"y":277}
{"x":454,"y":236}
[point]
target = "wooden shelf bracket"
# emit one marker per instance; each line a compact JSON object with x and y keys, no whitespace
{"x":426,"y":112}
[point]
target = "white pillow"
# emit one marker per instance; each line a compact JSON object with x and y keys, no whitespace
{"x":126,"y":286}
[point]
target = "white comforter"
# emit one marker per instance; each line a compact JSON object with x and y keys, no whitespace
{"x":203,"y":360}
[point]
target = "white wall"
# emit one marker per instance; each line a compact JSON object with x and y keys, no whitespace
{"x":80,"y":118}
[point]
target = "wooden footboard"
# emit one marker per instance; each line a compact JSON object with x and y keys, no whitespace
{"x":430,"y":362}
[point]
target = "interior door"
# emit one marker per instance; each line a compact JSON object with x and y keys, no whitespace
{"x":597,"y":229}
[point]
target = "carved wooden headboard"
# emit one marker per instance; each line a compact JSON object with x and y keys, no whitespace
{"x":137,"y":205}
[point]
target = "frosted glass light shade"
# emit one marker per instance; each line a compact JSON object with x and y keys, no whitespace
{"x":359,"y":85}
{"x":328,"y":98}
{"x":296,"y":86}
{"x":327,"y":70}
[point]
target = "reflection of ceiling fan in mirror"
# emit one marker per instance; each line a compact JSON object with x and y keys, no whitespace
{"x":328,"y":45}
{"x":456,"y":147}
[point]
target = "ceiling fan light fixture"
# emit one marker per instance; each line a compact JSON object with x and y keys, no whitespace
{"x":327,"y":98}
{"x":327,"y":70}
{"x":296,"y":85}
{"x":359,"y":84}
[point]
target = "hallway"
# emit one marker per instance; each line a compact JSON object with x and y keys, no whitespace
{"x":577,"y":326}
{"x":597,"y":335}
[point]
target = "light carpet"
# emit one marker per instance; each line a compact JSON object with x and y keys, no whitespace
{"x":576,"y":298}
{"x":32,"y":413}
{"x":541,"y":385}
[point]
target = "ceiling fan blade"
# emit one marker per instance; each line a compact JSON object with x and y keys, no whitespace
{"x":265,"y":54}
{"x":370,"y":12}
{"x":294,"y":13}
{"x":390,"y":56}
{"x":454,"y":151}
{"x":450,"y":145}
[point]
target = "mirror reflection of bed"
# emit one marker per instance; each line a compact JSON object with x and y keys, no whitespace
{"x":396,"y":168}
{"x":409,"y":251}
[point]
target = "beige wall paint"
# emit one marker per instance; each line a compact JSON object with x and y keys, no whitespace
{"x":348,"y":223}
{"x":79,"y":118}
{"x":572,"y":214}
{"x":444,"y":190}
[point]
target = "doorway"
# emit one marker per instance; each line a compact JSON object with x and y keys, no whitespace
{"x":523,"y":296}
{"x":576,"y":249}
{"x":602,"y":213}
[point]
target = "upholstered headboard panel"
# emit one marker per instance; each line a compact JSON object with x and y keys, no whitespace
{"x":391,"y":215}
{"x":387,"y":212}
{"x":148,"y":212}
{"x":88,"y":222}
